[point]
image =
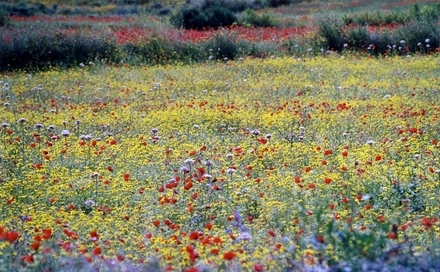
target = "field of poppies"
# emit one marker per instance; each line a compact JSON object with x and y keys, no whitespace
{"x":285,"y":158}
{"x":261,"y":165}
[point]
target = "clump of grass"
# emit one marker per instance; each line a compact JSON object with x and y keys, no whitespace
{"x":27,"y":48}
{"x":418,"y":33}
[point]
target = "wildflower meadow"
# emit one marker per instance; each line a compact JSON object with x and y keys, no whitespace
{"x":292,"y":162}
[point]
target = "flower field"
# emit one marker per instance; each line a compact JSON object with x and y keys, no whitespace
{"x":273,"y":164}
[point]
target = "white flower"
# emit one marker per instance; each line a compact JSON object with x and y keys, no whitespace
{"x":231,"y":171}
{"x":365,"y":197}
{"x":89,"y":202}
{"x":5,"y":125}
{"x":184,"y":169}
{"x":427,"y":40}
{"x":370,"y":142}
{"x":416,"y":156}
{"x":189,"y":161}
{"x":86,"y":137}
{"x":38,"y":126}
{"x":65,"y":132}
{"x":255,"y":132}
{"x":244,"y":236}
{"x":108,"y":133}
{"x":208,"y":163}
{"x":21,"y":120}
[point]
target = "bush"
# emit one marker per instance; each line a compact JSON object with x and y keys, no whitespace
{"x":218,"y":16}
{"x":419,"y":34}
{"x":27,"y":48}
{"x":198,"y":18}
{"x":332,"y":32}
{"x":232,"y":5}
{"x":225,"y":47}
{"x":4,"y":18}
{"x":277,"y":3}
{"x":358,"y":37}
{"x":159,"y":49}
{"x":252,"y":18}
{"x":189,"y":18}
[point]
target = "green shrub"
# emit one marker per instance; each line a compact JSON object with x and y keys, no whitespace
{"x":277,"y":3}
{"x":331,"y":31}
{"x":4,"y":18}
{"x":358,"y":37}
{"x":232,"y":5}
{"x":28,"y":48}
{"x":218,"y":16}
{"x":208,"y":17}
{"x":224,"y":47}
{"x":252,"y":18}
{"x":159,"y":49}
{"x":420,"y":35}
{"x":189,"y":18}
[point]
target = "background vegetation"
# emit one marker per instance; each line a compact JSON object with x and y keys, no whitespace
{"x":56,"y":40}
{"x":91,"y":31}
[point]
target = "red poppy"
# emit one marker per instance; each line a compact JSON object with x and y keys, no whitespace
{"x":217,"y":240}
{"x":195,"y":235}
{"x":188,"y":185}
{"x":271,"y":233}
{"x":426,"y":222}
{"x":328,"y":152}
{"x":47,"y":234}
{"x":97,"y":251}
{"x":35,"y":246}
{"x":94,"y":235}
{"x":126,"y":176}
{"x":229,"y":256}
{"x":12,"y":236}
{"x":156,"y":223}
